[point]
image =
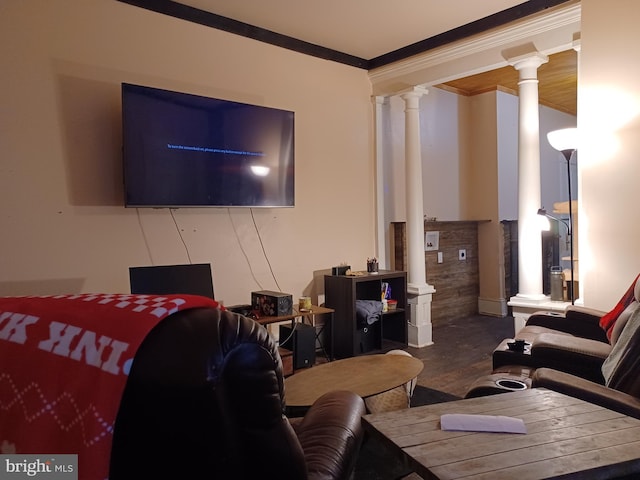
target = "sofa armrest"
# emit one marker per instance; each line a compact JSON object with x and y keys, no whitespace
{"x":578,"y":321}
{"x":585,"y":390}
{"x":578,"y":356}
{"x":577,"y":312}
{"x":331,"y":430}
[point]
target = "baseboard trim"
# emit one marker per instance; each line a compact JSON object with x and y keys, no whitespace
{"x":493,"y":307}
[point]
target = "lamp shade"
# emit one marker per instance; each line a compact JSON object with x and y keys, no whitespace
{"x":564,"y":139}
{"x":543,"y":223}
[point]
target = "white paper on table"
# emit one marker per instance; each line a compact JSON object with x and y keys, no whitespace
{"x":482,"y":423}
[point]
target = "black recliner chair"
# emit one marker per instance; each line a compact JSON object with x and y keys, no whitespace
{"x":205,"y":398}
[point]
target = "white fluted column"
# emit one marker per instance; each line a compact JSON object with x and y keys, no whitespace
{"x":413,"y":183}
{"x":419,"y":292}
{"x":529,"y":198}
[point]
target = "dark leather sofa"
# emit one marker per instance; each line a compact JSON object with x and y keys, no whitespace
{"x":621,"y":372}
{"x":572,"y":342}
{"x":205,"y":398}
{"x":573,"y":354}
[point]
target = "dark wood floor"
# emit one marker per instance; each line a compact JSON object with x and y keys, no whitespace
{"x":461,"y":352}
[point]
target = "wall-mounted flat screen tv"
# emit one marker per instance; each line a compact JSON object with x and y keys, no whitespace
{"x":184,"y":150}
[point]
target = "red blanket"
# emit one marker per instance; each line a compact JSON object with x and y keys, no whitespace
{"x":64,"y":362}
{"x":608,"y":321}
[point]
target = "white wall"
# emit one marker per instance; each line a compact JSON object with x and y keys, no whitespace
{"x":64,"y":227}
{"x":553,"y":168}
{"x":470,"y":167}
{"x":609,"y":162}
{"x":507,"y":125}
{"x":441,"y":145}
{"x":482,"y":196}
{"x":442,"y":139}
{"x":446,"y":142}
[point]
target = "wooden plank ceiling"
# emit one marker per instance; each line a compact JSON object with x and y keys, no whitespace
{"x":557,"y":82}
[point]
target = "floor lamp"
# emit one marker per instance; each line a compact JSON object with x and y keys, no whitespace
{"x":565,"y":141}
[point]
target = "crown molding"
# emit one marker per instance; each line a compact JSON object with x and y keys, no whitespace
{"x":551,"y":31}
{"x":183,"y":11}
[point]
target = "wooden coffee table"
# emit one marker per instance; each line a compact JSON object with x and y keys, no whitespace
{"x":566,"y":438}
{"x":364,"y":375}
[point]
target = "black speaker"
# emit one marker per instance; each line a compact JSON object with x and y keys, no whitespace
{"x":272,"y":304}
{"x":302,"y":343}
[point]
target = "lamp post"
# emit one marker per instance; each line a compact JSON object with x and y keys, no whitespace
{"x":565,"y":141}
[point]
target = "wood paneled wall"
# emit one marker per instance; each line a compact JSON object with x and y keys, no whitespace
{"x":457,"y":282}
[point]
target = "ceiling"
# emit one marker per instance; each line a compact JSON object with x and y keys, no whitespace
{"x":370,"y":33}
{"x":557,"y":87}
{"x":363,"y":28}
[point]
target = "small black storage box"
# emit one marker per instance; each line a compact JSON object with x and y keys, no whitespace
{"x":369,"y":337}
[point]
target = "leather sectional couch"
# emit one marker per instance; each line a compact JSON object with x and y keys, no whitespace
{"x":586,"y":353}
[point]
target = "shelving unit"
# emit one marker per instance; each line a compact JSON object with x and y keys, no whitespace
{"x":350,"y":336}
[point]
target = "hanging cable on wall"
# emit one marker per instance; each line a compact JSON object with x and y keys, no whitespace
{"x":186,"y":249}
{"x":144,"y":237}
{"x":263,"y":250}
{"x":246,"y":257}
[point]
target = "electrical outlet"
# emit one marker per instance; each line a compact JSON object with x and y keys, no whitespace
{"x":462,"y":254}
{"x":440,"y":259}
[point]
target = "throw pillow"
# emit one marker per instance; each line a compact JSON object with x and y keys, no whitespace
{"x":608,"y":321}
{"x":617,"y":355}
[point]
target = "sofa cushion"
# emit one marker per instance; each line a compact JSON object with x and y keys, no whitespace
{"x":620,"y":369}
{"x":530,"y":332}
{"x":579,"y":356}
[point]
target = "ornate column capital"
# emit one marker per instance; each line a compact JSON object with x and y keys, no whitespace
{"x":412,"y":95}
{"x":378,"y":99}
{"x":528,"y":64}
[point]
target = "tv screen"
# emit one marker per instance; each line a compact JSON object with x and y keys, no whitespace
{"x":183,"y":150}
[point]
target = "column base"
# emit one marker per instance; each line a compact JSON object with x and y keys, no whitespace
{"x":420,"y":289}
{"x":495,"y":307}
{"x":420,"y":336}
{"x":420,"y":328}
